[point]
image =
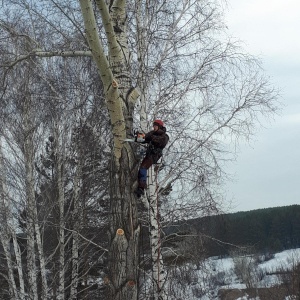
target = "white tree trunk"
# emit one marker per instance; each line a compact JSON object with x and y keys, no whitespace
{"x":75,"y":264}
{"x":58,"y":138}
{"x":111,"y":86}
{"x":6,"y":232}
{"x":31,"y":203}
{"x":41,"y":259}
{"x":19,"y":266}
{"x":77,"y":218}
{"x":5,"y":240}
{"x":31,"y":258}
{"x":158,"y":270}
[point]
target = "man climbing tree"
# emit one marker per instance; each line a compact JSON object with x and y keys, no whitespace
{"x":157,"y":140}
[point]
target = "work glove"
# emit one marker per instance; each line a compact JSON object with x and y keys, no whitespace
{"x":140,"y":137}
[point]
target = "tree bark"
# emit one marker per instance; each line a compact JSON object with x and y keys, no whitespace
{"x":5,"y":232}
{"x":77,"y":221}
{"x":120,"y":99}
{"x":124,"y":233}
{"x":28,"y":150}
{"x":59,"y":151}
{"x":19,"y":266}
{"x":41,"y":258}
{"x":158,"y":269}
{"x":5,"y":240}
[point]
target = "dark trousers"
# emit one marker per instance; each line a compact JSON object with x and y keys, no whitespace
{"x":147,"y":162}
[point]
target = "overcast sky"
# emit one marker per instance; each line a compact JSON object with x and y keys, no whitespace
{"x":267,"y":171}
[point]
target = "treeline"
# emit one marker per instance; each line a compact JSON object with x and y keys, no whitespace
{"x":267,"y":230}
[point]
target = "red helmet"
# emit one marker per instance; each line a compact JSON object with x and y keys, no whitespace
{"x":159,"y":123}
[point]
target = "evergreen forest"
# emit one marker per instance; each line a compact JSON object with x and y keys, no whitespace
{"x":265,"y":231}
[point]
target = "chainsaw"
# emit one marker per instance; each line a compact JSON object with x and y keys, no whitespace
{"x":138,"y":137}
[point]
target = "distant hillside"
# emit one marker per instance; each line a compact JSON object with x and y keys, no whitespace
{"x":224,"y":279}
{"x":265,"y":230}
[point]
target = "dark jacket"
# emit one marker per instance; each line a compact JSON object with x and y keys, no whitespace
{"x":158,"y":139}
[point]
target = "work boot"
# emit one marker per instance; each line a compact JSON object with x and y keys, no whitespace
{"x":139,"y":192}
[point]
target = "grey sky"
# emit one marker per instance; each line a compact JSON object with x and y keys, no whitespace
{"x":267,"y":170}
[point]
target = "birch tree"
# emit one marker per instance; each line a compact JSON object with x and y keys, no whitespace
{"x":7,"y":234}
{"x":22,"y":148}
{"x":49,"y":192}
{"x":154,"y":59}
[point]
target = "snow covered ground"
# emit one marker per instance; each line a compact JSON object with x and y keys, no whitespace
{"x":258,"y":273}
